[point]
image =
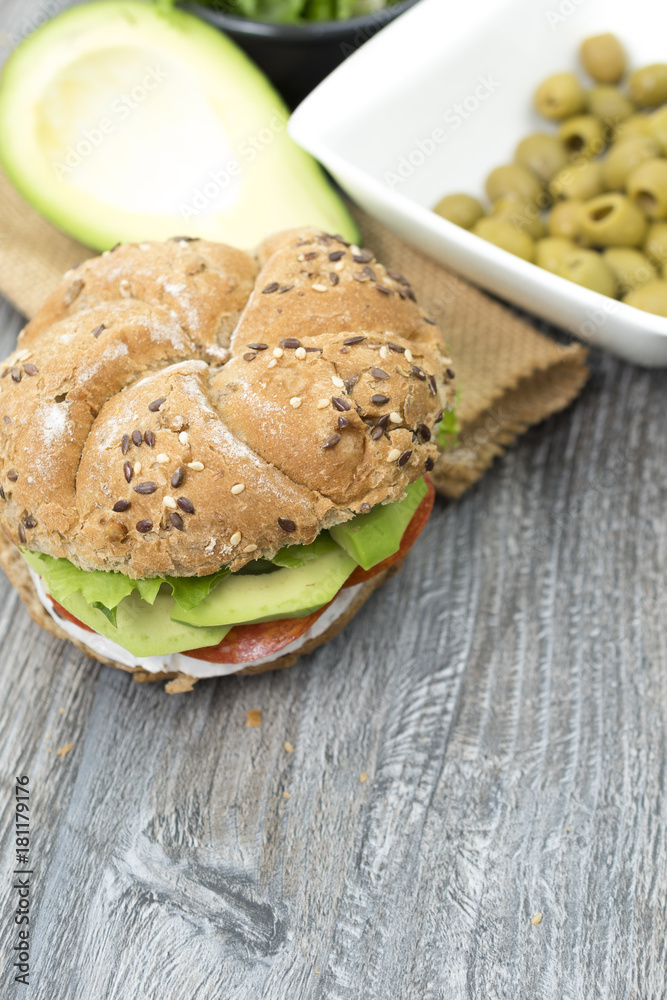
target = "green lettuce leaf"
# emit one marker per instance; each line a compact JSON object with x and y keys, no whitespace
{"x":190,"y":591}
{"x":296,"y":556}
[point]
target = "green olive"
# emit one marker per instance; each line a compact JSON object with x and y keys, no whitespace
{"x":655,"y":244}
{"x":461,"y":209}
{"x":631,"y":268}
{"x":550,"y":251}
{"x":564,"y":219}
{"x":610,"y":105}
{"x":647,"y":186}
{"x":613,"y":220}
{"x":506,"y":236}
{"x":587,"y":268}
{"x":514,"y":180}
{"x":637,"y":124}
{"x":657,"y":128}
{"x":624,"y":156}
{"x":651,"y":297}
{"x":543,"y":154}
{"x":523,"y":215}
{"x":603,"y":58}
{"x":648,"y":86}
{"x":580,"y":181}
{"x":560,"y":96}
{"x":583,"y":136}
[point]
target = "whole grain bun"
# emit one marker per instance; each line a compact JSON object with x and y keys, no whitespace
{"x":176,"y":407}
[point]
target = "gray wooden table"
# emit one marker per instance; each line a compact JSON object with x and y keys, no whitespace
{"x":506,"y":697}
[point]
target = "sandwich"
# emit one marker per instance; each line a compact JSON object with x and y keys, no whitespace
{"x":209,"y":459}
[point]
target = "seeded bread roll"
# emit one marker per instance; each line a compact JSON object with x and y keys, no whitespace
{"x":126,"y":445}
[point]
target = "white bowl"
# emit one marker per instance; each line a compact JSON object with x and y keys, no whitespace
{"x":441,"y":96}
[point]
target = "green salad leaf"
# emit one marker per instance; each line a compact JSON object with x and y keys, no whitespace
{"x":449,"y":428}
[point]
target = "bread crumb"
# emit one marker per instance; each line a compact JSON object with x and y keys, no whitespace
{"x":64,"y":750}
{"x":363,"y":777}
{"x":181,"y":684}
{"x":286,"y":795}
{"x":317,"y":971}
{"x":289,"y":747}
{"x":253,"y":718}
{"x":62,"y":711}
{"x":568,"y":829}
{"x":537,"y":919}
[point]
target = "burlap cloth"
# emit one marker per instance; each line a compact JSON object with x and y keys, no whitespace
{"x":509,"y":375}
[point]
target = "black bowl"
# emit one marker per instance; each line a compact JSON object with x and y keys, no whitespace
{"x":298,"y":57}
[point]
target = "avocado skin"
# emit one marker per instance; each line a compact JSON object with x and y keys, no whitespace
{"x":371,"y":538}
{"x":287,"y":593}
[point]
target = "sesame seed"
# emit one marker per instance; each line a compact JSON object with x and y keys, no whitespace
{"x":137,"y":468}
{"x":339,"y":265}
{"x":235,"y":539}
{"x":169,"y":502}
{"x":273,"y":287}
{"x":354,"y":249}
{"x":250,"y":548}
{"x":137,"y":438}
{"x":338,"y":382}
{"x":249,"y":356}
{"x":278,"y":352}
{"x":127,"y":471}
{"x":177,"y":521}
{"x":98,"y":330}
{"x":147,"y":487}
{"x":16,"y":374}
{"x":339,"y":403}
{"x":184,"y":437}
{"x":72,"y":292}
{"x":196,"y":466}
{"x":331,"y":441}
{"x":258,"y":347}
{"x":295,"y":402}
{"x":286,"y":524}
{"x":144,"y":526}
{"x":408,"y":355}
{"x":300,"y":353}
{"x":378,"y":373}
{"x":322,"y":404}
{"x":396,"y":418}
{"x":379,"y":400}
{"x":238,"y":488}
{"x":177,"y":477}
{"x":272,"y":363}
{"x":393,"y":455}
{"x":121,"y":505}
{"x":149,"y":438}
{"x":383,"y":352}
{"x":290,"y":343}
{"x":186,"y":505}
{"x":319,"y":288}
{"x":405,"y":458}
{"x":156,"y":404}
{"x":125,"y":443}
{"x":162,"y":458}
{"x":353,"y":340}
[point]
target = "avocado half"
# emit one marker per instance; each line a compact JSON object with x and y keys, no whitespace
{"x":123,"y":121}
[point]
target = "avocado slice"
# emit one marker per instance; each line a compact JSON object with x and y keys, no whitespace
{"x":144,"y":629}
{"x":287,"y":593}
{"x":123,"y":121}
{"x":370,"y":538}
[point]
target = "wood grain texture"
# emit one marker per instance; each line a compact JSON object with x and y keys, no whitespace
{"x":506,"y":695}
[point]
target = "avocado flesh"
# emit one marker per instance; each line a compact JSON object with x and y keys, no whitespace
{"x":145,"y":629}
{"x":371,"y":538}
{"x":121,"y":122}
{"x":287,"y":593}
